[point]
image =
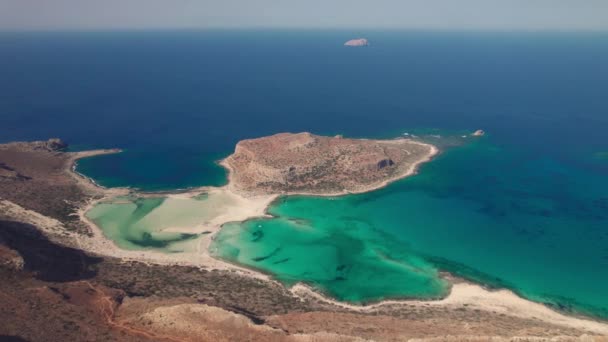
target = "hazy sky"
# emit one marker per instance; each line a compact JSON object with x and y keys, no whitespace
{"x":414,"y":14}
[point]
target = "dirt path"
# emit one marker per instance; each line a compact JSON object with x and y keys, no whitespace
{"x":108,"y":309}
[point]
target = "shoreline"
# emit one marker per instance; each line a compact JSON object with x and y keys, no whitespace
{"x":462,"y":293}
{"x":83,"y":180}
{"x":476,"y":297}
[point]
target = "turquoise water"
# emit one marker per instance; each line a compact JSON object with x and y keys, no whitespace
{"x":165,"y":223}
{"x":345,"y":257}
{"x":525,"y":207}
{"x":134,"y":223}
{"x":503,"y":218}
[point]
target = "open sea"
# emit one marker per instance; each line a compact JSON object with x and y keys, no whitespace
{"x":525,"y":207}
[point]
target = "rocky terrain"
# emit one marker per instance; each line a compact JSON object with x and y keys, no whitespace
{"x":357,"y":42}
{"x":312,"y":164}
{"x":37,"y":176}
{"x":51,"y":290}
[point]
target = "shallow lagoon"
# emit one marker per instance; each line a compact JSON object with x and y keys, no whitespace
{"x":167,"y":223}
{"x":351,"y":261}
{"x":518,"y":221}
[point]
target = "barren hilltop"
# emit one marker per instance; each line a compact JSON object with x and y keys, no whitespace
{"x":313,"y":164}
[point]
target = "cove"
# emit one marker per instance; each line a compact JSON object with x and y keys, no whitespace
{"x":497,"y":216}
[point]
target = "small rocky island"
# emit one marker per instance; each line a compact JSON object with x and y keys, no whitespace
{"x":311,"y":164}
{"x":357,"y":42}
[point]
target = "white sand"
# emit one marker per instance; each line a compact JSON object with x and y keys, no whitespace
{"x":198,"y":253}
{"x":223,"y":206}
{"x":476,"y":297}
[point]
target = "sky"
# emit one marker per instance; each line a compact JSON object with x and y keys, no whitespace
{"x":535,"y":15}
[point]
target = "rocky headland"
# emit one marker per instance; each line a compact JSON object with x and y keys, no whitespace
{"x":305,"y":163}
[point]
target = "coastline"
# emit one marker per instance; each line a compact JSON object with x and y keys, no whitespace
{"x":101,"y":245}
{"x":476,"y":297}
{"x":83,"y":180}
{"x":461,"y":293}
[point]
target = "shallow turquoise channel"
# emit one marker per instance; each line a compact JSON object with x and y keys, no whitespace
{"x":137,"y":223}
{"x":501,"y":217}
{"x":496,"y":216}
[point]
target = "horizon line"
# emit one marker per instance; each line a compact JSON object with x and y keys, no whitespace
{"x":289,"y":28}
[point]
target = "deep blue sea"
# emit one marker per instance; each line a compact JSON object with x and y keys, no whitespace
{"x":526,"y":207}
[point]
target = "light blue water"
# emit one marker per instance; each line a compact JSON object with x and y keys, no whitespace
{"x":525,"y":207}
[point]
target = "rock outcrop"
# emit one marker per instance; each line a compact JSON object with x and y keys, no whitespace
{"x":55,"y":144}
{"x":357,"y":42}
{"x":51,"y":145}
{"x":385,"y":163}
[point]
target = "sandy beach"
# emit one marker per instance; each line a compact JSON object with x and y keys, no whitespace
{"x":474,"y":296}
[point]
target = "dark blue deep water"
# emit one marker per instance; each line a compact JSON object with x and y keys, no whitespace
{"x":525,"y":207}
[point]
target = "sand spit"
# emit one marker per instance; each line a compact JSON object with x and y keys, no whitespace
{"x":246,"y":208}
{"x":199,"y":256}
{"x":245,"y":204}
